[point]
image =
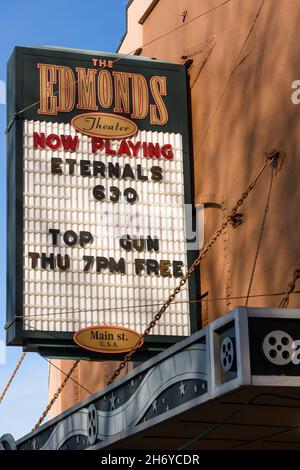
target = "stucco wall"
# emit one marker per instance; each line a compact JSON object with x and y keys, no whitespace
{"x":245,"y":59}
{"x":246,"y":54}
{"x":134,"y":34}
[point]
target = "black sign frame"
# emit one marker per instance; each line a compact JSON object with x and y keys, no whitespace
{"x":61,"y":344}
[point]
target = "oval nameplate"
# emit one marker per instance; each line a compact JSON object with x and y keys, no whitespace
{"x":106,"y":338}
{"x":104,"y":125}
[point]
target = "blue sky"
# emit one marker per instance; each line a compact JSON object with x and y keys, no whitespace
{"x":93,"y":24}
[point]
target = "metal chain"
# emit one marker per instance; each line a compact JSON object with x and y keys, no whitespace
{"x":12,"y":376}
{"x":56,"y":395}
{"x":270,"y":157}
{"x":284,"y":301}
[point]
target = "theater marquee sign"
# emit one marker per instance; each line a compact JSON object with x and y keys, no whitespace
{"x":98,"y":179}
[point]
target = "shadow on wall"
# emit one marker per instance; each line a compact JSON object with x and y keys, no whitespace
{"x":241,"y":109}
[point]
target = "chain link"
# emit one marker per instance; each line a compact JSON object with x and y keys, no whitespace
{"x":270,"y":157}
{"x":12,"y":376}
{"x":56,"y":395}
{"x":284,"y":301}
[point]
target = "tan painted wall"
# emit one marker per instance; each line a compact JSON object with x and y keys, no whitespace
{"x":241,"y":80}
{"x":134,"y":34}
